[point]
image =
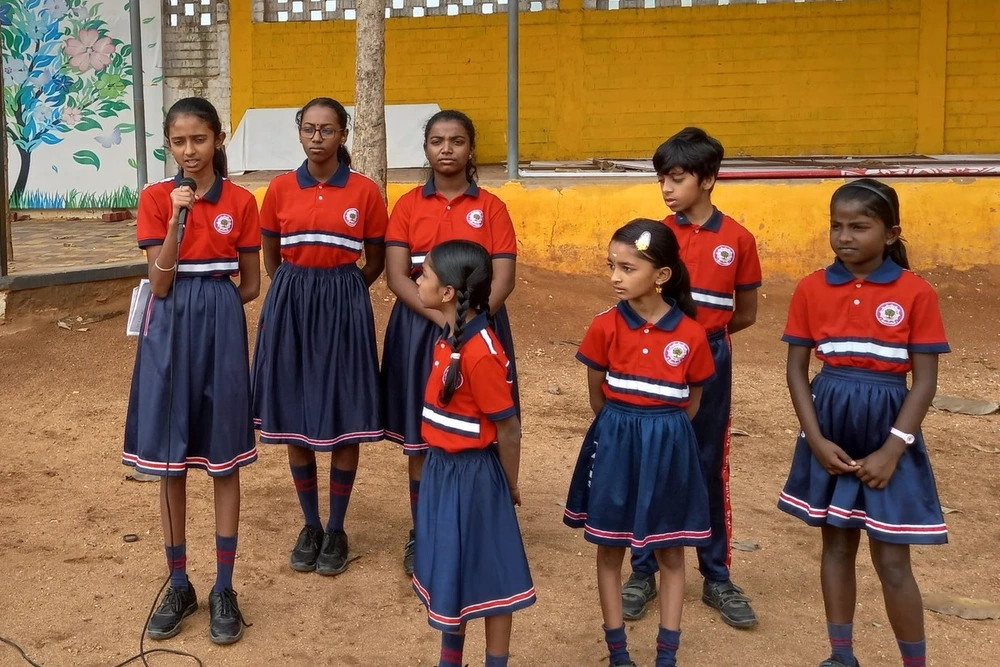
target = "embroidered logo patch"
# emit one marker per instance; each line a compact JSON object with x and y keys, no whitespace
{"x":724,"y":255}
{"x":351,"y":216}
{"x":889,"y":313}
{"x":444,"y":378}
{"x":223,"y":223}
{"x":475,"y":218}
{"x":676,"y":352}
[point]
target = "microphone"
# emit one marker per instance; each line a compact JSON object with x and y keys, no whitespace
{"x":182,"y":219}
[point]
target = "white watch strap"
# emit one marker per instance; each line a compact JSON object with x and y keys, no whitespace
{"x":905,"y":437}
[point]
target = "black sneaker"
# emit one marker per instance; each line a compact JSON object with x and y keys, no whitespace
{"x":638,"y":591}
{"x":226,"y":624}
{"x":333,"y":556}
{"x":177,"y":604}
{"x":306,"y":551}
{"x":731,"y":602}
{"x":833,"y":662}
{"x":410,"y":554}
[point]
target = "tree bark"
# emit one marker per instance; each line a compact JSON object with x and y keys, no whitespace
{"x":5,"y":223}
{"x":369,"y":150}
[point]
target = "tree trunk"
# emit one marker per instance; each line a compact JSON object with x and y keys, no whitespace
{"x":369,"y":156}
{"x":22,"y":177}
{"x":5,"y":224}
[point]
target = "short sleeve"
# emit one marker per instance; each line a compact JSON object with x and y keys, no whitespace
{"x":397,"y":231}
{"x":797,"y":330}
{"x":490,"y":389}
{"x":502,"y":232}
{"x":269,"y":223}
{"x":593,"y":350}
{"x":701,"y":364}
{"x":151,"y":220}
{"x":748,"y":273}
{"x":249,"y":240}
{"x":926,"y":325}
{"x":376,"y":216}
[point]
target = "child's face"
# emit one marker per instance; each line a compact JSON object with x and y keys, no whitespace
{"x":430,"y":290}
{"x":321,"y":134}
{"x":681,"y":189}
{"x":448,"y":148}
{"x":632,"y":275}
{"x":193,"y":143}
{"x":858,"y":238}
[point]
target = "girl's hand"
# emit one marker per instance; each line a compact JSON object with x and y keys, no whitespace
{"x":877,"y":468}
{"x":181,"y":198}
{"x":515,"y":493}
{"x":833,"y":459}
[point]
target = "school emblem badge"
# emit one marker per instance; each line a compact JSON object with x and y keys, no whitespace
{"x":223,"y":223}
{"x":889,"y":313}
{"x":676,"y":352}
{"x":351,"y":216}
{"x":724,"y":255}
{"x":475,"y":218}
{"x":444,"y":378}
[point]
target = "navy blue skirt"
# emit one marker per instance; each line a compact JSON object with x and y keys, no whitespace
{"x":210,"y":424}
{"x":315,"y":368}
{"x":406,"y":364}
{"x":638,"y":481}
{"x":470,"y":559}
{"x":856,"y":409}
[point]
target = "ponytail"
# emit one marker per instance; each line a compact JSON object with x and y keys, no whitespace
{"x":343,"y":155}
{"x":454,"y":368}
{"x":220,"y":163}
{"x":678,"y":288}
{"x":896,"y":251}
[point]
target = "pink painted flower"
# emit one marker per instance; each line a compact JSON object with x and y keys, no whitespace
{"x":89,"y":50}
{"x":71,"y":116}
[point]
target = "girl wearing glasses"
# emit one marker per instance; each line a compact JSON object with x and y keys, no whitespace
{"x":315,"y":370}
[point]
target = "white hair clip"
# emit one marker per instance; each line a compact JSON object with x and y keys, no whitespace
{"x":642,"y":243}
{"x":455,"y":356}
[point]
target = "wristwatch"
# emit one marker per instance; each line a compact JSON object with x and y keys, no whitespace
{"x":908,"y":438}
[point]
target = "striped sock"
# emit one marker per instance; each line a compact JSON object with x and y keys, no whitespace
{"x":225,"y":561}
{"x":452,"y":645}
{"x":667,"y":643}
{"x":414,"y":497}
{"x":177,"y":564}
{"x":617,"y":646}
{"x":341,"y":485}
{"x":496,"y":660}
{"x":842,"y":642}
{"x":305,"y":487}
{"x":914,"y":653}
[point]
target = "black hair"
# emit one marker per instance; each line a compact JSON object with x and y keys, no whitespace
{"x":471,"y":173}
{"x":879,"y":201}
{"x":201,"y":108}
{"x":343,"y":155}
{"x":663,"y":251}
{"x":466,"y":266}
{"x":693,"y":151}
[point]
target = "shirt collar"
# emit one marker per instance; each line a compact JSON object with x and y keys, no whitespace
{"x":887,"y":272}
{"x":306,"y":180}
{"x":214,"y":193}
{"x":472,"y":328}
{"x":634,"y":320}
{"x":429,"y":189}
{"x":713,"y":224}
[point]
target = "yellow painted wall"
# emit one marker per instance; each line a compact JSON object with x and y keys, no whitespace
{"x":945,"y":222}
{"x":856,"y":77}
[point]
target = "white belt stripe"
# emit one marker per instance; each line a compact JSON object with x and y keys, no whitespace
{"x":711,"y":299}
{"x":417,"y":260}
{"x":863,"y":347}
{"x":335,"y":239}
{"x":452,"y":423}
{"x":647,"y":388}
{"x":209,"y":267}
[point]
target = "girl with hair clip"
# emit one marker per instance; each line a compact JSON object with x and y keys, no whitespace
{"x":470,"y":559}
{"x":638,"y":481}
{"x":860,"y":462}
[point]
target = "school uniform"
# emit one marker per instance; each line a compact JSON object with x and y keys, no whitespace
{"x":721,"y":259}
{"x":421,"y":219}
{"x":315,"y":370}
{"x":638,"y":481}
{"x":209,"y":398}
{"x":470,"y":559}
{"x":865,"y":332}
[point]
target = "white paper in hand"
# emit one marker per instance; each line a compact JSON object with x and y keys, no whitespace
{"x":140,"y":299}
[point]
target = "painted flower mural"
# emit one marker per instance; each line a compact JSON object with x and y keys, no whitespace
{"x":89,"y":50}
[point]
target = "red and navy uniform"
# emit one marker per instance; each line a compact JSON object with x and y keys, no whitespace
{"x":210,"y":423}
{"x":467,"y":566}
{"x":315,"y":372}
{"x":421,"y":219}
{"x":638,"y":479}
{"x":865,"y":331}
{"x":721,"y":259}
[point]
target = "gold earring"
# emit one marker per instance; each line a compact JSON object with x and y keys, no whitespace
{"x":659,"y":289}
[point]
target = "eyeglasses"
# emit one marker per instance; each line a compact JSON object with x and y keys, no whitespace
{"x":325,"y":131}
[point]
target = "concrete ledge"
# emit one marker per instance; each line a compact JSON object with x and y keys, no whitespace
{"x":69,"y":276}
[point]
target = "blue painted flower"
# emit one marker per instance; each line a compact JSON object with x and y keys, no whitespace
{"x":15,"y":71}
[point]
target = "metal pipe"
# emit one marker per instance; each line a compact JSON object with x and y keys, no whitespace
{"x":512,"y":82}
{"x":138,"y":96}
{"x":4,"y":201}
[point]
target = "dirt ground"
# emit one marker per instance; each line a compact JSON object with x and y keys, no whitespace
{"x":73,"y":593}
